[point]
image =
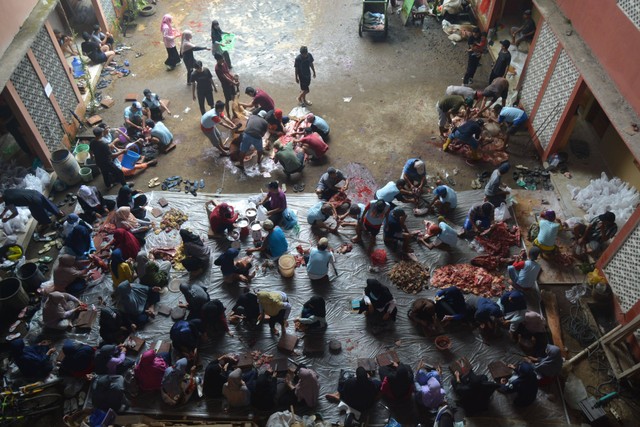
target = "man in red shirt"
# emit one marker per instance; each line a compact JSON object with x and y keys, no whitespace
{"x":228,"y":81}
{"x":261,"y":100}
{"x":312,"y":144}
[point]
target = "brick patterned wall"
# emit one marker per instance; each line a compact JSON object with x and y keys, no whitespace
{"x":109,"y":12}
{"x":631,"y":8}
{"x":555,"y":98}
{"x":48,"y":59}
{"x":31,"y":92}
{"x":623,"y":271}
{"x":538,"y":67}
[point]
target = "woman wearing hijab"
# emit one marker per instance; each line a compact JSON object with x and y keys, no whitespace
{"x":276,"y":306}
{"x":423,"y":313}
{"x":32,"y":360}
{"x":378,"y":301}
{"x":169,"y":35}
{"x":215,"y":376}
{"x":397,"y":383}
{"x":59,"y":309}
{"x":356,"y":394}
{"x":216,"y":40}
{"x":78,"y":359}
{"x":450,"y":305}
{"x":313,"y":316}
{"x":120,"y":269}
{"x":186,"y":52}
{"x":150,"y":370}
{"x":221,"y":218}
{"x":123,"y":218}
{"x":307,"y":388}
{"x":154,"y":276}
{"x":112,"y":360}
{"x":134,"y":301}
{"x":514,"y":306}
{"x":138,"y":210}
{"x":232,"y":270}
{"x":78,"y":242}
{"x":429,"y":391}
{"x":549,"y":366}
{"x":246,"y":308}
{"x":214,"y":321}
{"x":113,"y":328}
{"x":474,"y":391}
{"x":176,"y":387}
{"x":532,"y":333}
{"x":185,"y":336}
{"x":93,"y":205}
{"x":125,"y":196}
{"x":126,"y":242}
{"x":197,"y":255}
{"x":107,"y":392}
{"x":68,"y":278}
{"x":523,"y":383}
{"x":235,"y":390}
{"x":265,"y":394}
{"x":196,"y":297}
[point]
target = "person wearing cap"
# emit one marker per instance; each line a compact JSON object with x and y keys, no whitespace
{"x":316,"y":123}
{"x":374,"y":215}
{"x":415,"y":175}
{"x":228,"y":81}
{"x":134,"y":119}
{"x":525,"y":31}
{"x":319,"y":259}
{"x":312,"y":144}
{"x":480,"y":217}
{"x":548,"y":228}
{"x":153,"y":106}
{"x":276,"y":122}
{"x":591,"y":238}
{"x":494,"y":191}
{"x":468,"y":133}
{"x":501,"y":66}
{"x":524,"y":273}
{"x":255,"y":129}
{"x":395,"y":231}
{"x":396,"y":190}
{"x":97,"y":53}
{"x":291,"y":161}
{"x":513,"y":117}
{"x":448,"y":106}
{"x":303,"y":66}
{"x":209,"y":126}
{"x":446,"y":236}
{"x":275,"y":242}
{"x":445,"y":200}
{"x":275,"y":202}
{"x":216,"y":40}
{"x":261,"y":100}
{"x":477,"y":43}
{"x":203,"y":85}
{"x":319,"y":213}
{"x":328,"y":183}
{"x":39,"y":206}
{"x":102,"y":151}
{"x":158,"y":134}
{"x":499,"y":88}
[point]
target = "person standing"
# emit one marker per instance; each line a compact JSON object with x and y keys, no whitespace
{"x":494,"y":192}
{"x":209,"y":126}
{"x":254,"y":131}
{"x":169,"y":35}
{"x":303,"y":66}
{"x":186,"y":52}
{"x":202,"y":83}
{"x":228,"y":81}
{"x":477,"y":45}
{"x":216,"y":40}
{"x":502,"y":63}
{"x":100,"y":148}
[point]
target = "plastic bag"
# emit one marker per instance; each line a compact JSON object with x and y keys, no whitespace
{"x":261,"y":214}
{"x":574,"y":391}
{"x":476,"y":246}
{"x":43,"y":176}
{"x":575,"y":293}
{"x":289,"y":219}
{"x":502,"y":213}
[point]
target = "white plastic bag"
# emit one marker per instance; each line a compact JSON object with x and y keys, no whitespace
{"x":261,"y":214}
{"x":502,"y":213}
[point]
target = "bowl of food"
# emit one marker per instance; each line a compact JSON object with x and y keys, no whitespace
{"x":442,"y":342}
{"x":251,"y":214}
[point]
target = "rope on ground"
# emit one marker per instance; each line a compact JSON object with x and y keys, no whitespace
{"x":578,"y":326}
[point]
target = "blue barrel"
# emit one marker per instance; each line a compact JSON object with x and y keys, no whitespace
{"x":129,"y":159}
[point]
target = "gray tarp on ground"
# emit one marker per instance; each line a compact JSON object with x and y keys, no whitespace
{"x":358,"y":340}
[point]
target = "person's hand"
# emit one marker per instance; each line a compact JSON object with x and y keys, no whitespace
{"x":314,"y":74}
{"x":503,"y":380}
{"x":51,"y":351}
{"x":297,"y":80}
{"x":156,"y":289}
{"x":231,"y":334}
{"x":511,"y":365}
{"x":457,"y":375}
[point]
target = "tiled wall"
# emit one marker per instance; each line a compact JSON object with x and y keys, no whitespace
{"x":109,"y":12}
{"x":631,"y":8}
{"x":545,"y":46}
{"x":555,"y":98}
{"x":623,"y":271}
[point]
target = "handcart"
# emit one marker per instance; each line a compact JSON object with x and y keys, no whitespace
{"x":374,"y":17}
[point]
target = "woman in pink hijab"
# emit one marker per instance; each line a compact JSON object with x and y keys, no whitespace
{"x":169,"y":35}
{"x":150,"y":370}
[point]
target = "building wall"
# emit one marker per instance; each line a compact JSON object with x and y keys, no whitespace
{"x":613,"y":37}
{"x":616,"y":156}
{"x":13,"y":13}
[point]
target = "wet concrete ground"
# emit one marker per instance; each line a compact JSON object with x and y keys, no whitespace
{"x":394,"y":84}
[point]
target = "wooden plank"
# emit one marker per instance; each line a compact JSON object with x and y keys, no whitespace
{"x":368,"y":364}
{"x":387,"y":358}
{"x":553,"y":319}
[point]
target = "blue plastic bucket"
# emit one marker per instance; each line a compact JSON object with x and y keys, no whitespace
{"x":129,"y":159}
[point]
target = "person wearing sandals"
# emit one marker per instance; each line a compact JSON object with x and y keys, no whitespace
{"x":40,"y":207}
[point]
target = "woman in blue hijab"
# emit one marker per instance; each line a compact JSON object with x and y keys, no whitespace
{"x":134,"y":301}
{"x":78,"y":359}
{"x":523,"y":382}
{"x":32,"y":360}
{"x":79,"y":242}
